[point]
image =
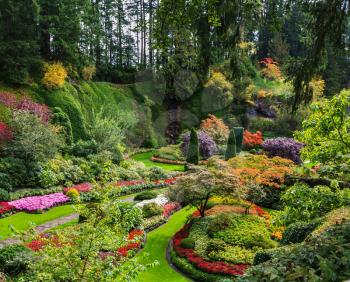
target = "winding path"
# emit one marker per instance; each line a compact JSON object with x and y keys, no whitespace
{"x":156,"y":247}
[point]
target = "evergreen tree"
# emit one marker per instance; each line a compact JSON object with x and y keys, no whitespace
{"x":61,"y":119}
{"x":193,"y":148}
{"x":231,"y":146}
{"x":239,"y":131}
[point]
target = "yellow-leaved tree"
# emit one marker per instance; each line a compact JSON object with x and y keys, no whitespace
{"x":55,"y":75}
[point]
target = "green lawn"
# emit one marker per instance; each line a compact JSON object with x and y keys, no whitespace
{"x":146,"y":159}
{"x":156,"y":245}
{"x":22,"y":221}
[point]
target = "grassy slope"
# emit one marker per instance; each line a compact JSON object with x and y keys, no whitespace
{"x":22,"y":221}
{"x":156,"y":245}
{"x":146,"y":159}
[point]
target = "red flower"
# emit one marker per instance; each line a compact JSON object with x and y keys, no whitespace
{"x":169,"y":208}
{"x":251,"y":140}
{"x":81,"y":188}
{"x":5,"y":133}
{"x":5,"y":207}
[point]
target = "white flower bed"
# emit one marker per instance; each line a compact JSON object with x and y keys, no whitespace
{"x":161,"y":200}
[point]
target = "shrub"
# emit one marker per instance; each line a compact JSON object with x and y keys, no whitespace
{"x":234,"y":254}
{"x":5,"y":133}
{"x":55,"y":75}
{"x":207,"y":146}
{"x":192,"y":155}
{"x":271,"y":71}
{"x":5,"y":182}
{"x":88,"y":72}
{"x":151,"y":209}
{"x":4,"y":195}
{"x":61,"y":119}
{"x":266,"y":197}
{"x":171,"y":152}
{"x":216,"y":129}
{"x":146,"y":195}
{"x":239,"y":138}
{"x":84,"y":148}
{"x":188,"y":243}
{"x":14,"y":259}
{"x":252,"y":140}
{"x":283,"y":147}
{"x":72,"y":193}
{"x":298,"y":231}
{"x":231,"y":146}
{"x":156,"y":173}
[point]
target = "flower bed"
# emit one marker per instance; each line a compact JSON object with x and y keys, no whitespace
{"x":5,"y":208}
{"x":135,"y":239}
{"x":37,"y":203}
{"x":200,"y":263}
{"x":81,"y":188}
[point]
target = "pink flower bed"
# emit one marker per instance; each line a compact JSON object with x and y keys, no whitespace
{"x":36,"y":203}
{"x":170,"y":208}
{"x":81,"y":188}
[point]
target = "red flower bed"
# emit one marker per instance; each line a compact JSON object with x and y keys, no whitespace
{"x":5,"y":207}
{"x":129,"y":183}
{"x":136,"y":240}
{"x":170,"y":208}
{"x":200,"y":263}
{"x":5,"y":133}
{"x":81,"y":188}
{"x":251,"y":140}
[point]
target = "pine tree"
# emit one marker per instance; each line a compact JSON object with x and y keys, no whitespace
{"x":231,"y":146}
{"x":193,"y":148}
{"x":239,"y":138}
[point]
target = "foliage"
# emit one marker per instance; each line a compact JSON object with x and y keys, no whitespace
{"x":333,"y":218}
{"x":192,"y":153}
{"x":231,"y":146}
{"x":60,"y":118}
{"x":84,"y":148}
{"x":252,"y":140}
{"x":216,"y":129}
{"x":151,"y":209}
{"x":88,"y":72}
{"x":55,"y":75}
{"x":234,"y":254}
{"x":298,"y":231}
{"x":283,"y":147}
{"x":156,"y":173}
{"x":325,"y":131}
{"x":4,"y":195}
{"x":207,"y":146}
{"x":5,"y":133}
{"x":321,"y":258}
{"x":72,"y":193}
{"x":303,"y":203}
{"x":146,"y":195}
{"x":239,"y":132}
{"x":188,"y":243}
{"x":198,"y":187}
{"x":271,"y":70}
{"x":33,"y":140}
{"x":170,"y":152}
{"x":14,"y":259}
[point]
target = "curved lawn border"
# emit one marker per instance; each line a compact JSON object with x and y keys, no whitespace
{"x":156,"y":248}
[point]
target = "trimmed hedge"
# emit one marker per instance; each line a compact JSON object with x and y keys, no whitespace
{"x":297,"y":232}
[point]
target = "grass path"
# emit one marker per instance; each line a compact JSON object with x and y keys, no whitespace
{"x":22,"y":221}
{"x":146,"y":159}
{"x":156,"y":245}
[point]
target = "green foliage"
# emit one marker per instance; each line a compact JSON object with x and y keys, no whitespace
{"x":264,"y":255}
{"x":193,"y":149}
{"x":231,"y":146}
{"x":234,"y":254}
{"x":84,"y":148}
{"x":170,"y":152}
{"x":61,"y":119}
{"x":146,"y":195}
{"x":14,"y":259}
{"x":322,"y":258}
{"x":4,"y":195}
{"x":188,"y":243}
{"x":298,"y":231}
{"x":303,"y":203}
{"x":239,"y":138}
{"x":156,"y":173}
{"x":325,"y":131}
{"x":265,"y":196}
{"x":14,"y":172}
{"x":33,"y":140}
{"x":151,"y":209}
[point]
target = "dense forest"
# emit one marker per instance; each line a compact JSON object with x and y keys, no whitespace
{"x":174,"y":140}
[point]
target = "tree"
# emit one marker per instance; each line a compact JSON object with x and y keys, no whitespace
{"x":239,"y":132}
{"x":231,"y":146}
{"x":196,"y":188}
{"x":326,"y":130}
{"x":193,"y":149}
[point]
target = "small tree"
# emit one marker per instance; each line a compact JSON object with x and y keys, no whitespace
{"x":239,"y":131}
{"x":231,"y":146}
{"x":193,"y":150}
{"x":197,"y":188}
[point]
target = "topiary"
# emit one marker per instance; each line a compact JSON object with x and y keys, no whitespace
{"x":188,"y":243}
{"x":4,"y":195}
{"x":14,"y":259}
{"x":193,"y":150}
{"x":147,"y":195}
{"x":239,"y":132}
{"x":231,"y":146}
{"x":297,"y":232}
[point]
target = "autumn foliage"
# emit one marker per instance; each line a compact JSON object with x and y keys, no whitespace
{"x":216,"y":129}
{"x":55,"y":75}
{"x":271,"y":70}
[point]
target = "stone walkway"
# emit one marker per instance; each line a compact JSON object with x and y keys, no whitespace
{"x":42,"y":228}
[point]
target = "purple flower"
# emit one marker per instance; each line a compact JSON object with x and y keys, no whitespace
{"x":283,"y":147}
{"x":35,"y":203}
{"x":207,"y":146}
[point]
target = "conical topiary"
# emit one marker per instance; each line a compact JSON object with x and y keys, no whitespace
{"x":231,"y":146}
{"x":239,"y":131}
{"x":193,"y":148}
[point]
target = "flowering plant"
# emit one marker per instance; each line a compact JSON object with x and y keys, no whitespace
{"x":135,"y":239}
{"x":5,"y":207}
{"x":170,"y":208}
{"x":81,"y":188}
{"x":207,"y":146}
{"x":216,"y":129}
{"x":36,"y":203}
{"x":252,"y":140}
{"x":283,"y":147}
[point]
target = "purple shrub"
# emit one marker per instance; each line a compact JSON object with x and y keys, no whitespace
{"x":283,"y":147}
{"x":207,"y":146}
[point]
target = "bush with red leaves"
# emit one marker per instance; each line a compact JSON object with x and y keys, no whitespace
{"x":135,"y":239}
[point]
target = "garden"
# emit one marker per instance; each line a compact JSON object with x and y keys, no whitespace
{"x":174,"y":141}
